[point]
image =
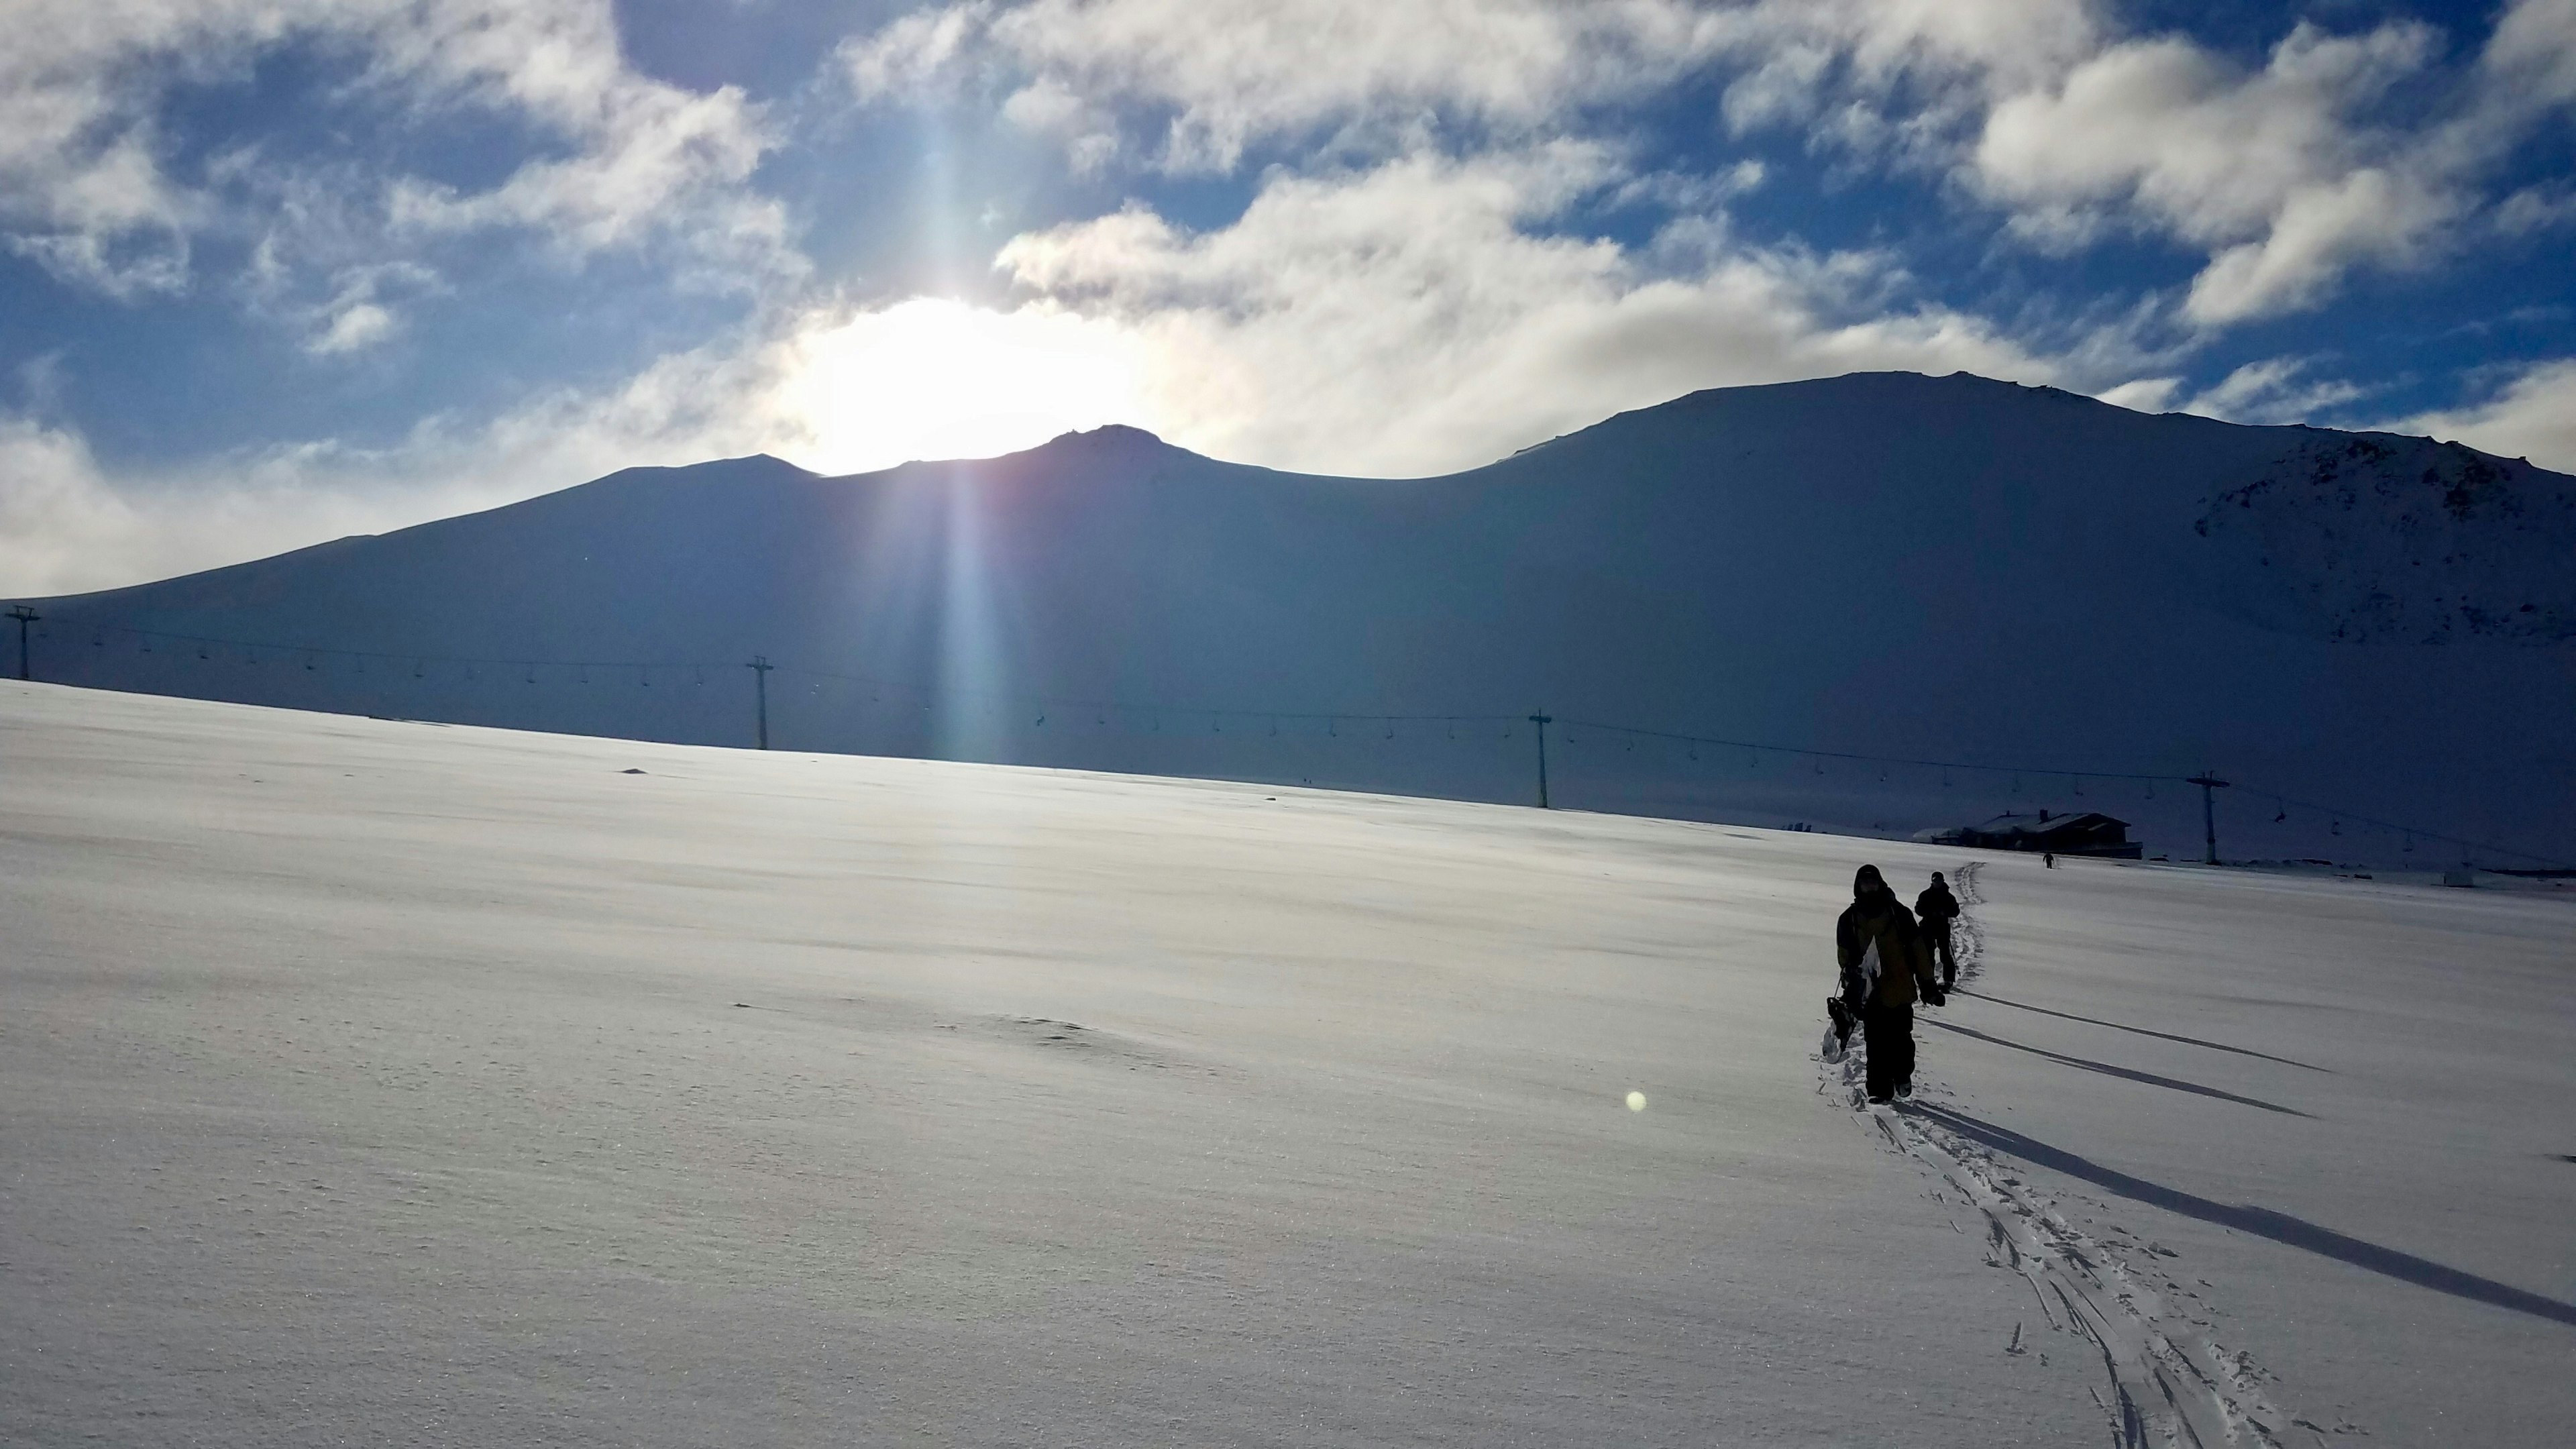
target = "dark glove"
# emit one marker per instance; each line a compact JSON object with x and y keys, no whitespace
{"x":1935,"y":996}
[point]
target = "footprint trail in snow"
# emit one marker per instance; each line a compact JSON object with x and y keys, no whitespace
{"x":2169,"y":1380}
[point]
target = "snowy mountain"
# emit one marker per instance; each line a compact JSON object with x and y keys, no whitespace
{"x":2044,"y":591}
{"x":2403,"y":539}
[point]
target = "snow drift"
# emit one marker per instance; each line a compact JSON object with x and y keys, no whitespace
{"x":2032,"y":592}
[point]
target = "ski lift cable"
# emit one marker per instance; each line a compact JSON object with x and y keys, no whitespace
{"x":2338,"y":816}
{"x":250,"y":650}
{"x":1860,"y":758}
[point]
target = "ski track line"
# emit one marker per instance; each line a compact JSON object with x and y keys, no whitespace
{"x":2172,"y":1384}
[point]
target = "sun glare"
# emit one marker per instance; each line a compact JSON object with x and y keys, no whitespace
{"x":934,"y":378}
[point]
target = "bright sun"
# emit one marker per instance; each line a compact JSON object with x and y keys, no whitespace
{"x":933,"y":378}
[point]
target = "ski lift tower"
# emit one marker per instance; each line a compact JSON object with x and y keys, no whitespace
{"x":2209,"y":784}
{"x":1542,"y":720}
{"x":760,"y":667}
{"x":25,"y":616}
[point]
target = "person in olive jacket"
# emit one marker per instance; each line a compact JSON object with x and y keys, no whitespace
{"x":1885,"y":970}
{"x":1935,"y":909}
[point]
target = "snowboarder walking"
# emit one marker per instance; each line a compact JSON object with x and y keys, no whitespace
{"x":1934,"y":910}
{"x":1884,"y":969}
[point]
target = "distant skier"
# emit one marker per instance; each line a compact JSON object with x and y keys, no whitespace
{"x":1884,"y":970}
{"x":1934,"y":910}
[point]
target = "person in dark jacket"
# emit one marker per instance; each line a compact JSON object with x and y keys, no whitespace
{"x":1934,"y":910}
{"x":1885,"y":969}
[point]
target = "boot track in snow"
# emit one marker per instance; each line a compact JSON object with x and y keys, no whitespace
{"x":2169,"y":1381}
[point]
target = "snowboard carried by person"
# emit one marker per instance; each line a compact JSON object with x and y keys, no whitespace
{"x":1842,"y":1009}
{"x":1839,"y":1026}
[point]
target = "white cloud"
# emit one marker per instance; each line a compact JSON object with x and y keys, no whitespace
{"x":2283,"y":176}
{"x":2287,"y":177}
{"x":2533,"y":416}
{"x":2274,"y":390}
{"x":86,"y":184}
{"x":2536,"y":209}
{"x":353,"y":328}
{"x":81,"y":189}
{"x":362,"y":311}
{"x":2533,"y":52}
{"x":648,"y":157}
{"x":1896,"y":72}
{"x":1223,"y":74}
{"x":2271,"y":172}
{"x":913,"y":51}
{"x":2143,"y":394}
{"x":1414,"y":318}
{"x":70,"y":523}
{"x":56,"y":512}
{"x":1217,"y":76}
{"x":655,"y":160}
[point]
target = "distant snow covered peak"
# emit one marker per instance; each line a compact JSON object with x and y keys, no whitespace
{"x":749,"y":463}
{"x":1110,"y":443}
{"x":1108,"y":437}
{"x":1851,"y":402}
{"x":2383,"y":539}
{"x":754,"y":467}
{"x":1113,"y":433}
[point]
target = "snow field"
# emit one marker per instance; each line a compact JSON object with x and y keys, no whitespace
{"x":2300,"y":1185}
{"x":409,"y":1084}
{"x":2165,"y":1380}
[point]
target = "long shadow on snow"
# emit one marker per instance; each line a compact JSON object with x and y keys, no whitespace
{"x":2215,"y":1046}
{"x":2108,"y":1070}
{"x":2261,"y":1222}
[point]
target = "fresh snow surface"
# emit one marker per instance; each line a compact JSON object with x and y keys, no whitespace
{"x":385,"y":1083}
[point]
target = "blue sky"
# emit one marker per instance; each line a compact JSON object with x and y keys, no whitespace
{"x":277,"y":270}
